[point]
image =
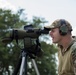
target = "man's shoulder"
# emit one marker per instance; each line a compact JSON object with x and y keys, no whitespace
{"x":74,"y":54}
{"x":74,"y":42}
{"x":73,"y":47}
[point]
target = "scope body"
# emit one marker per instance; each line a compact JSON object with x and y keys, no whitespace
{"x":27,"y":33}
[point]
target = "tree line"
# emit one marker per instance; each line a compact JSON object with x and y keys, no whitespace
{"x":10,"y":52}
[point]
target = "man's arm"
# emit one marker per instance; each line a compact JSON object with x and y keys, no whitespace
{"x":75,"y":71}
{"x":74,"y":59}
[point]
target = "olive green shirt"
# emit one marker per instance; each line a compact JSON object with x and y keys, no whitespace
{"x":66,"y":66}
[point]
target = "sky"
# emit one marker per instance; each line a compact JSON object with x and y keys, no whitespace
{"x":48,"y":9}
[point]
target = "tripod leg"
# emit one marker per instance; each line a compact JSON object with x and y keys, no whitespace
{"x":35,"y":67}
{"x":23,"y":67}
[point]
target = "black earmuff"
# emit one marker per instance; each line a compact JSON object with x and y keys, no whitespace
{"x":63,"y":29}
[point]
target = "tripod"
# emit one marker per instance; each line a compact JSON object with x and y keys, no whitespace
{"x":22,"y":64}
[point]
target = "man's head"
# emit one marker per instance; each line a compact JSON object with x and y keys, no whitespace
{"x":58,"y":29}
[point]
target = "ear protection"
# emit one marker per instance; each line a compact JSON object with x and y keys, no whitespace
{"x":63,"y":29}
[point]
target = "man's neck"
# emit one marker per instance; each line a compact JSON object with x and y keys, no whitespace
{"x":66,"y":41}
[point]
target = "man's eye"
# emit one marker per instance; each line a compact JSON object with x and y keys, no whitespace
{"x":52,"y":30}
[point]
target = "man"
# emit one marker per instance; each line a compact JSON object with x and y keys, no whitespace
{"x":61,"y":34}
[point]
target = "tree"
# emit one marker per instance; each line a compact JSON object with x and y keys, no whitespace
{"x":8,"y":20}
{"x":10,"y":52}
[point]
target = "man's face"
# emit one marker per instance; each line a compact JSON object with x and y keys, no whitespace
{"x":55,"y":35}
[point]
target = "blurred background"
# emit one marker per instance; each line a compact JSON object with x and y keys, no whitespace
{"x":39,"y":13}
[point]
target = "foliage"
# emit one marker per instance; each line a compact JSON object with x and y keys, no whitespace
{"x":9,"y":53}
{"x":8,"y":20}
{"x":47,"y":62}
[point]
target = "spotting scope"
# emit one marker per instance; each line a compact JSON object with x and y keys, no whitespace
{"x":28,"y":32}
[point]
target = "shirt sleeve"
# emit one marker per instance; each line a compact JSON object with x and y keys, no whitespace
{"x":74,"y":59}
{"x":74,"y":56}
